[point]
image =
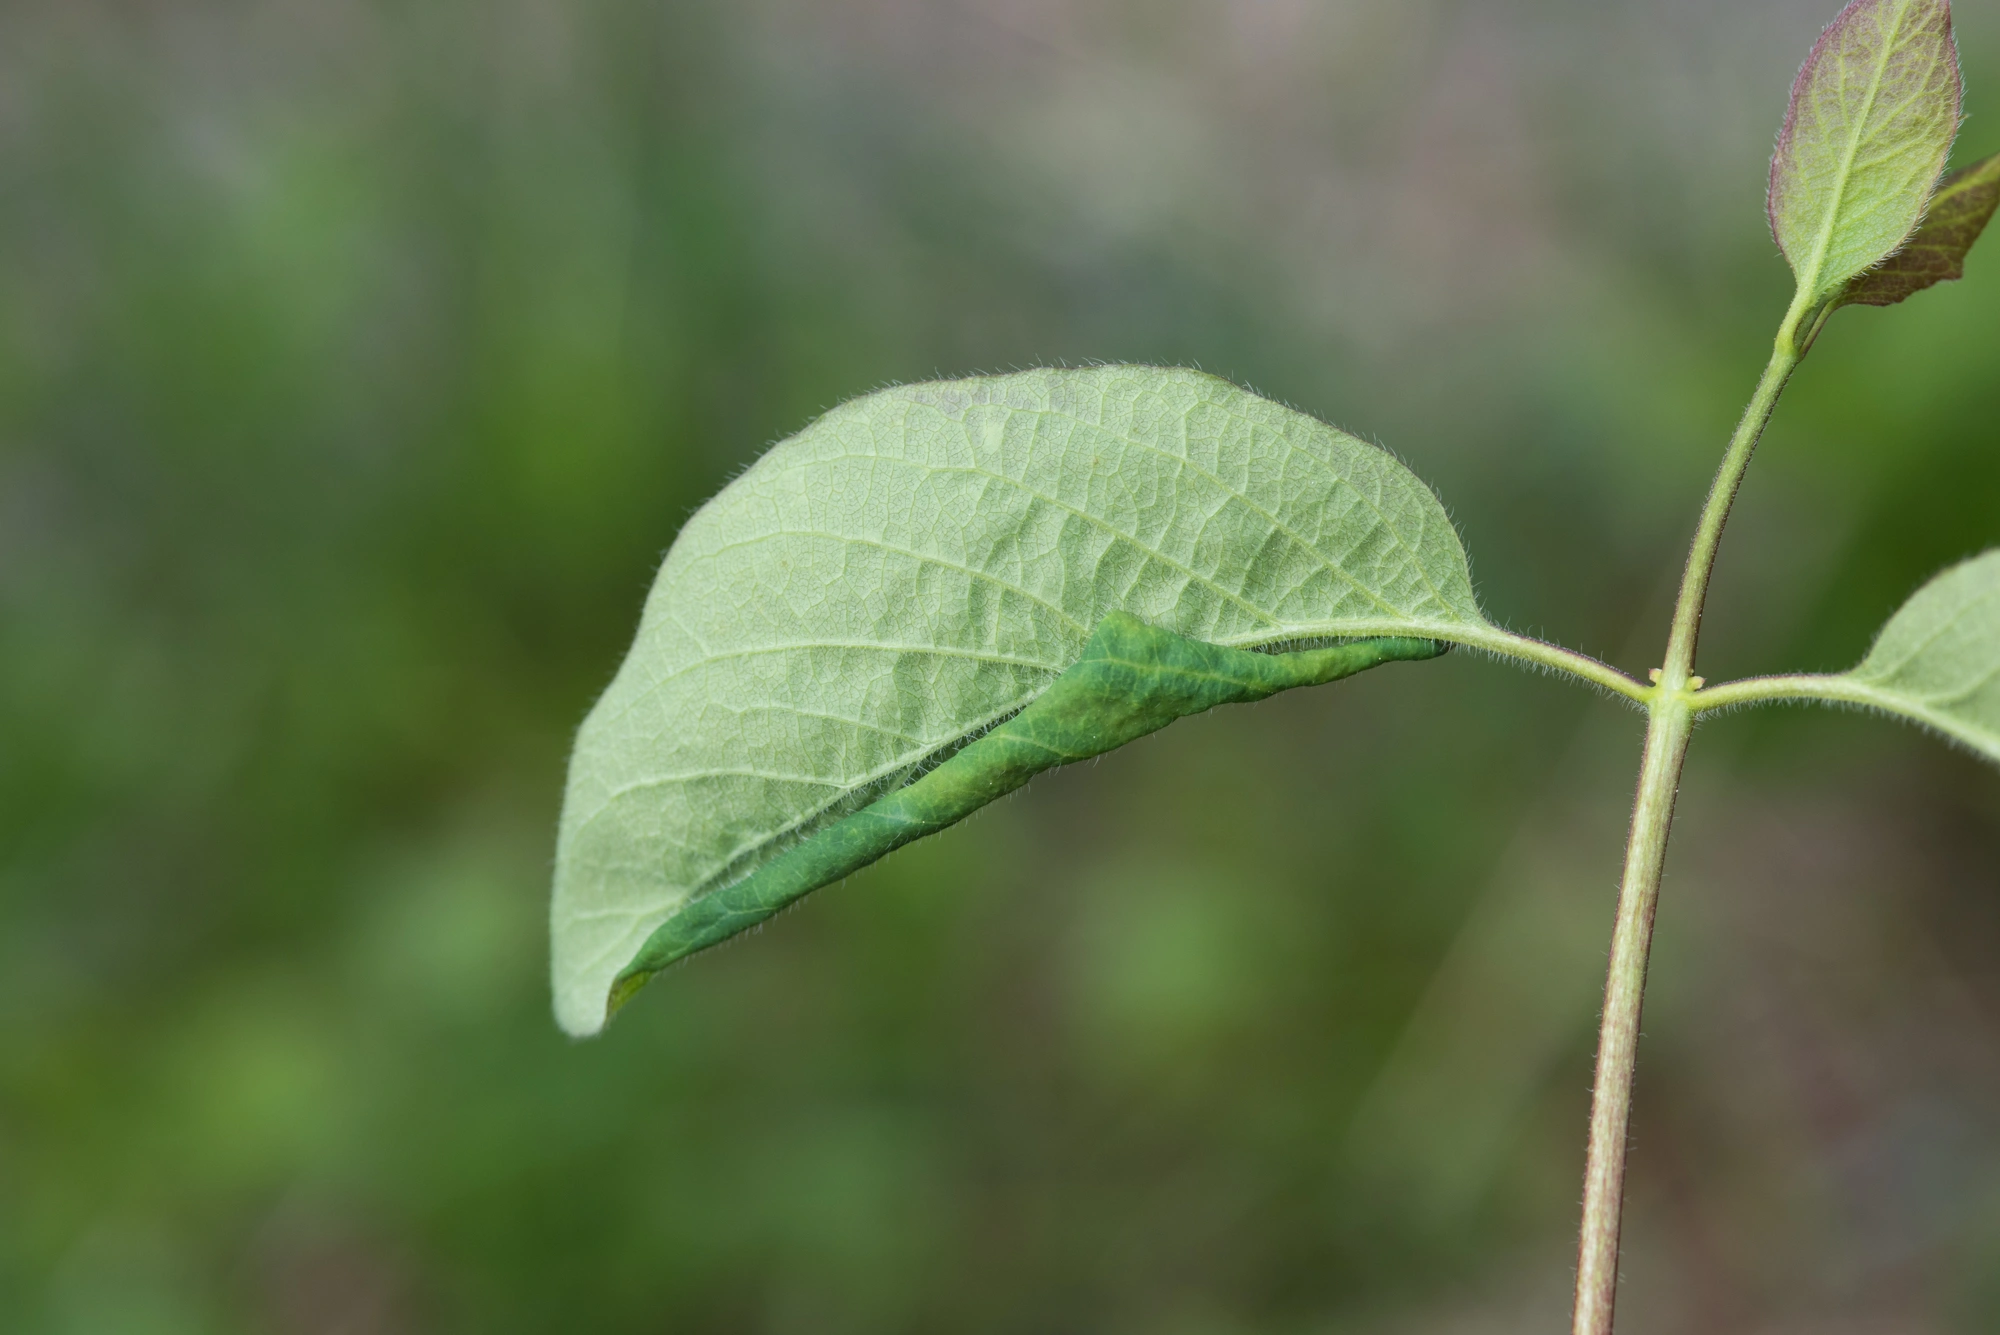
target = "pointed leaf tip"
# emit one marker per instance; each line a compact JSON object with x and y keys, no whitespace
{"x":1871,"y":119}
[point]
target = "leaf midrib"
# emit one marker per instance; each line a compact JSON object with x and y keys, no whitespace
{"x":720,"y":879}
{"x":1890,"y":41}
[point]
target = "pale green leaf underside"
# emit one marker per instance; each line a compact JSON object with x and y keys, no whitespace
{"x":1871,"y":120}
{"x":1937,"y":661}
{"x":921,"y":563}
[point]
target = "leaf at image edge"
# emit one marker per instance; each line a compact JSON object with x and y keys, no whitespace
{"x":1937,"y":660}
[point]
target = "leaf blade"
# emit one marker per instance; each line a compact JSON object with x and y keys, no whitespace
{"x":1870,"y":122}
{"x":1937,"y":660}
{"x":922,"y":563}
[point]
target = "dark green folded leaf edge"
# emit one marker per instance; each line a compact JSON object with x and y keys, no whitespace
{"x":1132,"y":679}
{"x":1935,"y":253}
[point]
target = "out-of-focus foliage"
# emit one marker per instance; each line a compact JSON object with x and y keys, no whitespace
{"x":357,"y":363}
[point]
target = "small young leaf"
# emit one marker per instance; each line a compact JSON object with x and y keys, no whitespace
{"x":924,"y":562}
{"x":1937,"y":661}
{"x":1958,"y":213}
{"x":1871,"y":120}
{"x":1133,"y":679}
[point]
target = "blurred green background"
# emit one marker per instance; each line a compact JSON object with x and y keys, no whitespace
{"x":358,"y":361}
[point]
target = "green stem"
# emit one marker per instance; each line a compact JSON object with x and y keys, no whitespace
{"x":1670,"y":719}
{"x":1721,"y":495}
{"x":1844,"y":688}
{"x":1527,"y":649}
{"x":1667,"y":728}
{"x":1479,"y":636}
{"x":1838,"y":688}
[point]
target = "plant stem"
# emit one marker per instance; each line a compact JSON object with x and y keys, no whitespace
{"x":1715,"y":513}
{"x":1837,"y":688}
{"x":1474,"y":635}
{"x":1667,"y":730}
{"x":1527,"y":649}
{"x":1670,"y":719}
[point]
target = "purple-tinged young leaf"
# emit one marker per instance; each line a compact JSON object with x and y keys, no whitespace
{"x":1871,"y":120}
{"x":1959,"y":212}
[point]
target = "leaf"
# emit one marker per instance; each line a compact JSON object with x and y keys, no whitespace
{"x":920,"y":565}
{"x":1958,"y":213}
{"x":1872,"y":116}
{"x":1938,"y":659}
{"x":1133,"y":679}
